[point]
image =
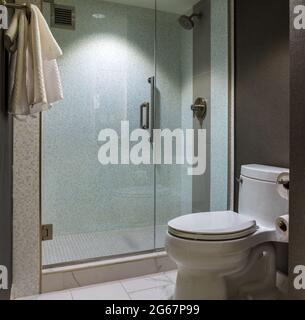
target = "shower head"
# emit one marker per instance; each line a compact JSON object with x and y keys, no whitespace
{"x":187,"y":22}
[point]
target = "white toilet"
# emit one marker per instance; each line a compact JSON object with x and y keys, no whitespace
{"x":225,"y":255}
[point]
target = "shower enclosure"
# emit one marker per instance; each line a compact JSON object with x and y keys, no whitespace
{"x":120,"y":55}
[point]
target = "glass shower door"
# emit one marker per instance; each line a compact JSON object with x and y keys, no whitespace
{"x":98,"y":210}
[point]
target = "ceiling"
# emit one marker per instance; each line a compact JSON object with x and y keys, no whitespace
{"x":173,"y":6}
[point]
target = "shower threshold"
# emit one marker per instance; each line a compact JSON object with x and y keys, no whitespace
{"x":86,"y":247}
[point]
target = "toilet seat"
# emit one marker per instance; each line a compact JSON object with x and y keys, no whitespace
{"x":212,"y":226}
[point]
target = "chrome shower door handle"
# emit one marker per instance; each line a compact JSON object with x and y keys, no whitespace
{"x":144,"y":116}
{"x":152,"y":83}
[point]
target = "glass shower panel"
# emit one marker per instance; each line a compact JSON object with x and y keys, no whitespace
{"x":98,"y":211}
{"x":192,"y":62}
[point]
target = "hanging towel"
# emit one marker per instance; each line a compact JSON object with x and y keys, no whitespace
{"x":34,"y":50}
{"x":44,"y":81}
{"x":16,"y":41}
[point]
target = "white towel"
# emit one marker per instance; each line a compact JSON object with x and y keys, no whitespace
{"x":44,"y":82}
{"x":16,"y":41}
{"x":39,"y":86}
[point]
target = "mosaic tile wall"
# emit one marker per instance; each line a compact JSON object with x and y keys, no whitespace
{"x":26,"y":206}
{"x":219,"y":104}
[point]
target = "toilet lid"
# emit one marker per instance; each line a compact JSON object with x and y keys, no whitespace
{"x":212,"y":226}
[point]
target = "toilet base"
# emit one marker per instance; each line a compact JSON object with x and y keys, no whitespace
{"x":193,"y":285}
{"x":252,"y":276}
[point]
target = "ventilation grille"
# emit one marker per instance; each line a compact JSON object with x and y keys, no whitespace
{"x":63,"y":17}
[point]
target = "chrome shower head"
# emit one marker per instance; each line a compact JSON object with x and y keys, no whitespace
{"x":187,"y":22}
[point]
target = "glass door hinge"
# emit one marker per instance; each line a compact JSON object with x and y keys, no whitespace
{"x":47,"y":232}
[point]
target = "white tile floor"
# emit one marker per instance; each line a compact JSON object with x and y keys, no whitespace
{"x":153,"y":287}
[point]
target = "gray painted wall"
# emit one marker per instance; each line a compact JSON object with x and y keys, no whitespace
{"x":5,"y":175}
{"x":262,"y":88}
{"x":297,"y":154}
{"x":262,"y":83}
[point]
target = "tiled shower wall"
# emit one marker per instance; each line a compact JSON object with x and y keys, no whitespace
{"x":211,"y":78}
{"x":26,"y":206}
{"x":220,"y":95}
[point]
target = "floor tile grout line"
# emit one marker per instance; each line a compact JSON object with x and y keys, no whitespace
{"x":160,"y":287}
{"x":72,"y":298}
{"x":125,"y":289}
{"x":112,"y":283}
{"x":165,"y":283}
{"x":153,"y":277}
{"x":173,"y":282}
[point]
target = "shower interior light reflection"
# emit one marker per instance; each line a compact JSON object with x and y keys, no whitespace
{"x":98,"y":16}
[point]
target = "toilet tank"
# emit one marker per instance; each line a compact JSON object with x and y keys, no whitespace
{"x":259,"y":197}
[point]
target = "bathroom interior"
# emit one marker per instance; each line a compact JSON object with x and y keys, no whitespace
{"x":88,"y":224}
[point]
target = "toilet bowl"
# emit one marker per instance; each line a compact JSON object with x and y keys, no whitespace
{"x":228,"y":255}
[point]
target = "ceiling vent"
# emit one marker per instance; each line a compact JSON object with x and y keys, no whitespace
{"x":62,"y":17}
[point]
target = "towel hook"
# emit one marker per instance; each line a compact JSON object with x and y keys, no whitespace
{"x":25,"y":6}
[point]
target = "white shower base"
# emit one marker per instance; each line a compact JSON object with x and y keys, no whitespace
{"x":87,"y":246}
